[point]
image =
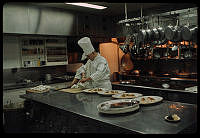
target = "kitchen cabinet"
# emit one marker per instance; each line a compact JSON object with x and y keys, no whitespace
{"x":39,"y":51}
{"x":32,"y":52}
{"x":56,"y":52}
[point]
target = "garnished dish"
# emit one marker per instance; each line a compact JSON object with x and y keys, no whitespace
{"x":149,"y":99}
{"x":94,"y":90}
{"x":126,"y":95}
{"x":118,"y":106}
{"x":172,"y":118}
{"x":111,"y":92}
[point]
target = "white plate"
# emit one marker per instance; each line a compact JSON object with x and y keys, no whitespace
{"x":106,"y":107}
{"x":149,"y":99}
{"x":126,"y":95}
{"x":166,"y":118}
{"x":94,"y":90}
{"x":111,"y":92}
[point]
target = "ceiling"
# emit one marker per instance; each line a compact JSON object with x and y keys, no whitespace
{"x":118,"y":9}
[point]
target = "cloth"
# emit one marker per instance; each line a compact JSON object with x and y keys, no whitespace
{"x":99,"y":71}
{"x":86,"y":45}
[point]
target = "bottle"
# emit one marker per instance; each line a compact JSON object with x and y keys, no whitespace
{"x":38,"y":63}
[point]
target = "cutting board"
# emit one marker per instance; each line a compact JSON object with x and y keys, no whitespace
{"x":72,"y":90}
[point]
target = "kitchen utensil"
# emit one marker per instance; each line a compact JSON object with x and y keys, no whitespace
{"x":170,"y":32}
{"x":142,"y":35}
{"x":188,"y":32}
{"x":165,"y":85}
{"x":174,"y":48}
{"x":48,"y":77}
{"x":155,"y":34}
{"x":161,"y":33}
{"x":156,"y":55}
{"x":177,"y":35}
{"x":149,"y":35}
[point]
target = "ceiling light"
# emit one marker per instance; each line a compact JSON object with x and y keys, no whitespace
{"x":88,"y":5}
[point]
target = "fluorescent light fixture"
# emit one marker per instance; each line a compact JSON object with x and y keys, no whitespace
{"x":88,"y":5}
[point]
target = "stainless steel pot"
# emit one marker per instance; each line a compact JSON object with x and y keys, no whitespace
{"x":149,"y":35}
{"x":188,"y":32}
{"x":155,"y":34}
{"x":48,"y":77}
{"x":194,"y":35}
{"x":161,"y":33}
{"x":170,"y":32}
{"x":177,"y":35}
{"x":142,"y":36}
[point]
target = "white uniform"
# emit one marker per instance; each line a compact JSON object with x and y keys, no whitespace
{"x":96,"y":69}
{"x":99,"y":71}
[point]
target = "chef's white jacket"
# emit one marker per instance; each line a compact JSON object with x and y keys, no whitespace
{"x":99,"y":71}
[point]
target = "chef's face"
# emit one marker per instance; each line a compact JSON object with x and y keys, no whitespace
{"x":91,"y":56}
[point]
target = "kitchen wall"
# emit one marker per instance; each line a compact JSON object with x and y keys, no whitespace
{"x":11,"y":52}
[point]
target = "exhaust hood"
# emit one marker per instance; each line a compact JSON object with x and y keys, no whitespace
{"x":27,"y":19}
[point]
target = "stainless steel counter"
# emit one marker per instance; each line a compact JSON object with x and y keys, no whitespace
{"x":147,"y":120}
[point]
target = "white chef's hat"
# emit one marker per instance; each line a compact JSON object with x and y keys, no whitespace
{"x":86,"y":45}
{"x":83,"y":56}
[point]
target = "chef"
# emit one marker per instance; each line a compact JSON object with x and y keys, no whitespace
{"x":96,"y":69}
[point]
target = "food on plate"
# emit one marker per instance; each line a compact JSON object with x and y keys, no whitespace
{"x":174,"y":117}
{"x":111,"y":92}
{"x":120,"y":105}
{"x":127,"y":95}
{"x":150,"y":98}
{"x":95,"y":90}
{"x":147,"y":100}
{"x":142,"y":99}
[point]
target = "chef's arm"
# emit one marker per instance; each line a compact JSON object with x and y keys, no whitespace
{"x":75,"y":81}
{"x":85,"y":79}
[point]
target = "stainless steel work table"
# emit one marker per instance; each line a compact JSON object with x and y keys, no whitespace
{"x":147,"y":120}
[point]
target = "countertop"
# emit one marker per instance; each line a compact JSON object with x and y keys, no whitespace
{"x":147,"y":120}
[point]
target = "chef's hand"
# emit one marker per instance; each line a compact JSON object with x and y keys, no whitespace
{"x":85,"y":79}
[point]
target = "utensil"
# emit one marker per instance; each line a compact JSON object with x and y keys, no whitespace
{"x":142,"y":35}
{"x":174,"y":48}
{"x":165,"y":85}
{"x":170,"y":32}
{"x":161,"y":33}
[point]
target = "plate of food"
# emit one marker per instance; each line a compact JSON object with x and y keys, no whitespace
{"x":111,"y":92}
{"x":172,"y":118}
{"x":39,"y":89}
{"x":94,"y":90}
{"x":118,"y":106}
{"x":126,"y":95}
{"x":149,"y":99}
